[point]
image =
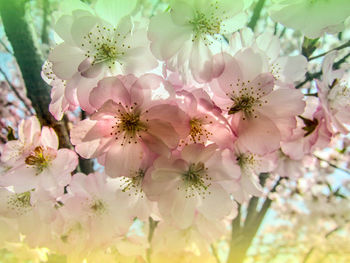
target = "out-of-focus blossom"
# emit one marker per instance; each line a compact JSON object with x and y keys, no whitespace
{"x":312,"y":17}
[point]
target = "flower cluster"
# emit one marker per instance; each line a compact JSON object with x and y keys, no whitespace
{"x":181,"y":121}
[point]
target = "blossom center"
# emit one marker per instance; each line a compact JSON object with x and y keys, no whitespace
{"x":128,"y":125}
{"x":134,"y":183}
{"x":244,"y":103}
{"x":195,"y":179}
{"x":247,"y":162}
{"x":204,"y":25}
{"x":246,"y":98}
{"x":20,"y":202}
{"x":98,"y":206}
{"x":38,"y":159}
{"x":104,"y":45}
{"x":197,"y":131}
{"x":339,"y":96}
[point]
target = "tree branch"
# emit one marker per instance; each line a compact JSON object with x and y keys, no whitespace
{"x":5,"y":47}
{"x":242,"y":239}
{"x":28,"y":56}
{"x":311,"y":76}
{"x":215,"y":253}
{"x":332,"y":165}
{"x":347,"y":44}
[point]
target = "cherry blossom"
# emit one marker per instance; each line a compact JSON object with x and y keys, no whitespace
{"x":128,"y":124}
{"x":261,"y":115}
{"x":186,"y":36}
{"x":93,"y":206}
{"x":285,"y":69}
{"x":188,"y":185}
{"x":42,"y":165}
{"x":311,"y":132}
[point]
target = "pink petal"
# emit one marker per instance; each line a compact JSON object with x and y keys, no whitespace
{"x":259,"y":135}
{"x":110,"y":88}
{"x":121,"y":160}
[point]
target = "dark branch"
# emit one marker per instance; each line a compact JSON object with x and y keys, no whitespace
{"x":347,"y":44}
{"x":28,"y":56}
{"x":317,"y":75}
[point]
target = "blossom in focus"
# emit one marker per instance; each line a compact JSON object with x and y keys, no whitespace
{"x":42,"y":165}
{"x":311,"y":132}
{"x":93,"y":48}
{"x":312,"y":17}
{"x":285,"y":69}
{"x":128,"y":124}
{"x":28,"y":137}
{"x":189,"y":184}
{"x":207,"y":125}
{"x":187,"y":36}
{"x":261,"y":114}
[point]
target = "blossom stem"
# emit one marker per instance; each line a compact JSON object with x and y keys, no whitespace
{"x":28,"y":56}
{"x":5,"y":47}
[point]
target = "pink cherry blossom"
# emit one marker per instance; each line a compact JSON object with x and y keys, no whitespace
{"x":188,"y":184}
{"x":261,"y":114}
{"x":207,"y":125}
{"x":311,"y":132}
{"x":39,"y":164}
{"x":187,"y":36}
{"x":244,"y":168}
{"x":128,"y":124}
{"x":92,"y":202}
{"x":285,"y":69}
{"x":28,"y":136}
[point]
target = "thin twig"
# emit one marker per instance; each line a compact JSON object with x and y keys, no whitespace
{"x":345,"y":45}
{"x":311,"y":76}
{"x":332,"y":164}
{"x":5,"y":47}
{"x":13,"y":88}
